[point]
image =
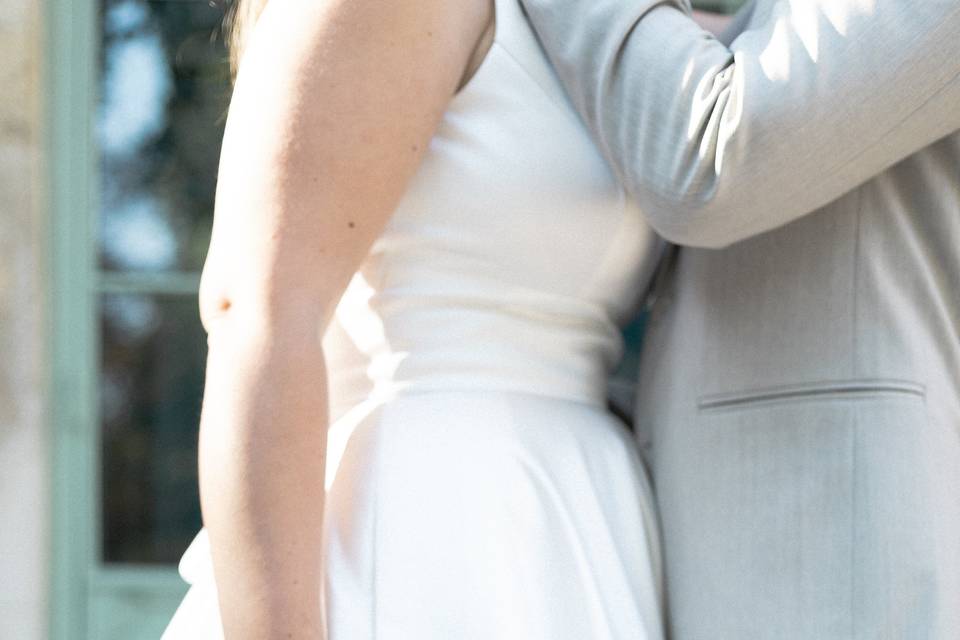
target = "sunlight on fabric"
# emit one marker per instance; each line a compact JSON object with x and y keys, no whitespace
{"x":340,"y":433}
{"x":775,"y":59}
{"x":806,"y":24}
{"x":732,"y":114}
{"x":840,"y":14}
{"x":717,"y":110}
{"x":709,"y":90}
{"x":354,"y":315}
{"x":356,"y":348}
{"x":688,"y":73}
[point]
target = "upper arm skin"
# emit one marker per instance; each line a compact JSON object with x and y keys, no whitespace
{"x":334,"y":105}
{"x":722,"y":143}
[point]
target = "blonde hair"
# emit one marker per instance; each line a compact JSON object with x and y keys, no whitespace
{"x":239,"y":23}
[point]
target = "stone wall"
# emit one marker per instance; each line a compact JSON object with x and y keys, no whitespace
{"x":24,"y":434}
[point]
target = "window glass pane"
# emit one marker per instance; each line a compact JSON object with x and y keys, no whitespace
{"x":164,"y":91}
{"x":151,"y":379}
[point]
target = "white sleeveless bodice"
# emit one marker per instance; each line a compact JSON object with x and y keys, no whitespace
{"x":512,"y":258}
{"x":507,"y":502}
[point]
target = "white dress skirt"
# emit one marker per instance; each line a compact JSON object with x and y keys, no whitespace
{"x":477,"y":485}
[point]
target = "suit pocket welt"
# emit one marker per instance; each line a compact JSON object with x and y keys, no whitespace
{"x":816,"y":391}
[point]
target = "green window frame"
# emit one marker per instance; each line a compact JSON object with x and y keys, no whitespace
{"x":88,"y":598}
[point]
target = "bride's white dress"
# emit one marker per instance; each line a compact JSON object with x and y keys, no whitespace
{"x":477,"y":486}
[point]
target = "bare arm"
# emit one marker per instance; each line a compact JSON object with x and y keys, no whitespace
{"x":722,"y":143}
{"x":334,"y":105}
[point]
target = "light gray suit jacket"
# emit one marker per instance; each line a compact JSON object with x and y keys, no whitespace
{"x":800,"y":391}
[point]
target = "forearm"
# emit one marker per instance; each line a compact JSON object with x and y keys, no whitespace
{"x":262,"y":458}
{"x":718,"y":144}
{"x":334,"y":107}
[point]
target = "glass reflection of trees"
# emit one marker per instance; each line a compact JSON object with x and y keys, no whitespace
{"x":163,"y":95}
{"x":152,"y":355}
{"x":163,"y":98}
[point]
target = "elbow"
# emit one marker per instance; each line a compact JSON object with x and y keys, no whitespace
{"x":215,"y":298}
{"x":245,"y":319}
{"x":688,"y":231}
{"x":253,"y":307}
{"x":692,"y":233}
{"x":228,"y":321}
{"x":689,"y":201}
{"x":692,"y":220}
{"x":215,"y":310}
{"x":697,"y":186}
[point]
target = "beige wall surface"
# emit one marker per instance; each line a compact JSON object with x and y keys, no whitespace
{"x":24,"y":442}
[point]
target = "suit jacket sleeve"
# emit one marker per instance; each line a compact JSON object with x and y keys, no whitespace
{"x":722,"y":142}
{"x":740,"y":23}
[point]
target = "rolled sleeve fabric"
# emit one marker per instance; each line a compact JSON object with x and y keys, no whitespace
{"x":720,"y":143}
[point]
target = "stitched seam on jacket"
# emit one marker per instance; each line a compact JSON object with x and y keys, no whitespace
{"x":849,"y":389}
